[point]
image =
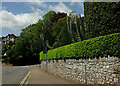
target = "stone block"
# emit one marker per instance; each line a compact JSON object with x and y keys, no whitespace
{"x":110,"y":80}
{"x":114,"y":75}
{"x":69,"y":66}
{"x":115,"y":79}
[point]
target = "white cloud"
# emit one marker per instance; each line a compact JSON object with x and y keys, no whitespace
{"x":60,"y":8}
{"x":80,"y":4}
{"x":82,"y":15}
{"x":74,"y":3}
{"x":14,"y":22}
{"x":38,"y":3}
{"x":77,"y":1}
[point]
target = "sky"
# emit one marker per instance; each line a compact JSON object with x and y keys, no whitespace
{"x":17,"y":15}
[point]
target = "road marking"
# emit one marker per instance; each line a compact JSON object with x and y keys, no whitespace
{"x":25,"y":81}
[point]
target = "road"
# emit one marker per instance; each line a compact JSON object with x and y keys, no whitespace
{"x":13,"y":74}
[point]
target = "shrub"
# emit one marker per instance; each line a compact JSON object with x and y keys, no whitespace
{"x":95,"y":47}
{"x":101,"y":18}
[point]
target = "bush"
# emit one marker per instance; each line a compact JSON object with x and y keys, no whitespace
{"x":101,"y":18}
{"x":95,"y":47}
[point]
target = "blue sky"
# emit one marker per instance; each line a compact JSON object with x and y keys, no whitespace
{"x":18,"y":15}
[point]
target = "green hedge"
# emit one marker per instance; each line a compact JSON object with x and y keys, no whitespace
{"x":95,"y":47}
{"x":101,"y":18}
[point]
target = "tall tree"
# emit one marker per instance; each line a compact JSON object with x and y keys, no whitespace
{"x":75,"y":28}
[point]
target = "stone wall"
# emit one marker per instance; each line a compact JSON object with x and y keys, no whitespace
{"x":90,"y":71}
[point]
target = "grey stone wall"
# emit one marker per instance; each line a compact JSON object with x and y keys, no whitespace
{"x":90,"y":71}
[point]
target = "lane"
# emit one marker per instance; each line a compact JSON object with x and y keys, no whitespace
{"x":13,"y":74}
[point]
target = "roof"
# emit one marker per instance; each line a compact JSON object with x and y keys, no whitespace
{"x":11,"y":36}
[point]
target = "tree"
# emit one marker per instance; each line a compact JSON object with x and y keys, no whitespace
{"x":75,"y":27}
{"x":27,"y":47}
{"x":52,"y":30}
{"x":64,"y":37}
{"x":49,"y":32}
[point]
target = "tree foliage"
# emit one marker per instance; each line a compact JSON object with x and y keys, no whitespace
{"x":51,"y":32}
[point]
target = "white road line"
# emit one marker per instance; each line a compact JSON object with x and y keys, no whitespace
{"x":25,"y":78}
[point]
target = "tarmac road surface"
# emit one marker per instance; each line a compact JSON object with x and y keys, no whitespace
{"x":13,"y":74}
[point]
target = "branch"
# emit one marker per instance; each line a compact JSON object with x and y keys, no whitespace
{"x":48,"y":45}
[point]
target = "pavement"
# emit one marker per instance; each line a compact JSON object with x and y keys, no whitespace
{"x":39,"y":76}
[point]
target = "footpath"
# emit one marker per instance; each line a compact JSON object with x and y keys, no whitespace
{"x":38,"y":76}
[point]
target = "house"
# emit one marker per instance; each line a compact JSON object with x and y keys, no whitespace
{"x":7,"y":42}
{"x":10,"y":39}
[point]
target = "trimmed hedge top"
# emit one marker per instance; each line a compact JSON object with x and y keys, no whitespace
{"x":95,"y":47}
